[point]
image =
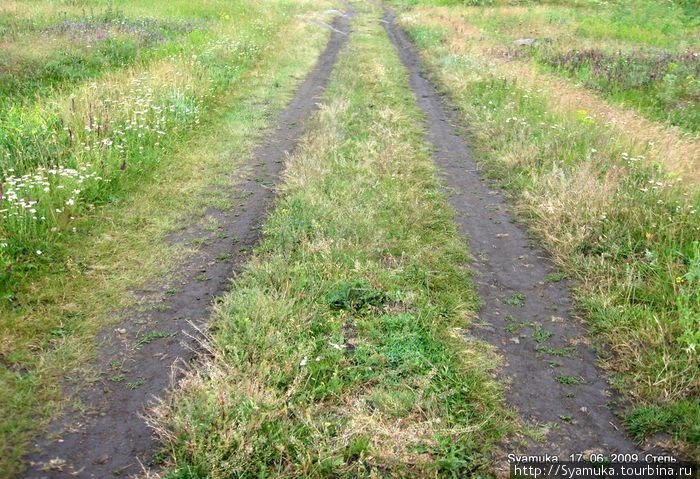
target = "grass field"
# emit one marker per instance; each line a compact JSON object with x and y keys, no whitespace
{"x":343,"y":347}
{"x":612,"y":196}
{"x":99,"y":165}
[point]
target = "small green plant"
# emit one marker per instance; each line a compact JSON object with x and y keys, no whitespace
{"x":556,"y":277}
{"x":133,"y":385}
{"x":513,"y":325}
{"x":354,"y":295}
{"x":681,"y":419}
{"x":517,"y":299}
{"x":570,"y":380}
{"x":540,"y":335}
{"x":152,"y":336}
{"x":564,"y":352}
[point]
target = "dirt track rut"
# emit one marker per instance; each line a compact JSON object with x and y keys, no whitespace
{"x":519,"y":306}
{"x":111,"y":438}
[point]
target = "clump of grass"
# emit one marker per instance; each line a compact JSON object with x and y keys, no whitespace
{"x":681,"y":419}
{"x":354,"y":295}
{"x":516,"y":299}
{"x":556,"y":277}
{"x":133,"y":385}
{"x":568,"y":351}
{"x":541,"y":335}
{"x":514,"y":326}
{"x":570,"y":380}
{"x":151,"y":336}
{"x":313,"y":371}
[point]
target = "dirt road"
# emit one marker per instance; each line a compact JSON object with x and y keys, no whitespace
{"x":549,"y":367}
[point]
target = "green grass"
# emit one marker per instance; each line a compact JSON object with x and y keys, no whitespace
{"x":639,"y":23}
{"x":561,"y":352}
{"x":541,"y":335}
{"x":640,"y":54}
{"x":615,"y":221}
{"x":517,"y":299}
{"x":82,"y":283}
{"x":82,"y":146}
{"x":642,"y":22}
{"x":49,"y":51}
{"x":151,"y":336}
{"x":570,"y":380}
{"x":339,"y":351}
{"x":682,"y":420}
{"x":514,"y":326}
{"x":662,"y":85}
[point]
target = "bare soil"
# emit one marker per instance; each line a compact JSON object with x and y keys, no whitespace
{"x":110,"y":438}
{"x":549,"y":366}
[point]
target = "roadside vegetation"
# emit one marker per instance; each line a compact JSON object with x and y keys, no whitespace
{"x":139,"y":126}
{"x":73,"y":148}
{"x":641,"y":54}
{"x":606,"y":191}
{"x":340,"y":350}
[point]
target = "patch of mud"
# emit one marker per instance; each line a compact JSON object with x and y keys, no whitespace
{"x":110,"y":438}
{"x":550,"y":368}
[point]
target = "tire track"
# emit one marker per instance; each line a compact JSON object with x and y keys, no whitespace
{"x":112,"y":438}
{"x":549,"y":366}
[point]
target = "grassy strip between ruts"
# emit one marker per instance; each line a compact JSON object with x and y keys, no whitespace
{"x":613,"y":219}
{"x":339,"y":351}
{"x":123,"y":246}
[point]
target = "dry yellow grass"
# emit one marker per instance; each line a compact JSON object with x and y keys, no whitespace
{"x":679,"y":152}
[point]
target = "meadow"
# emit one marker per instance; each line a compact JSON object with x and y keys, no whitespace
{"x":593,"y":132}
{"x":69,"y":143}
